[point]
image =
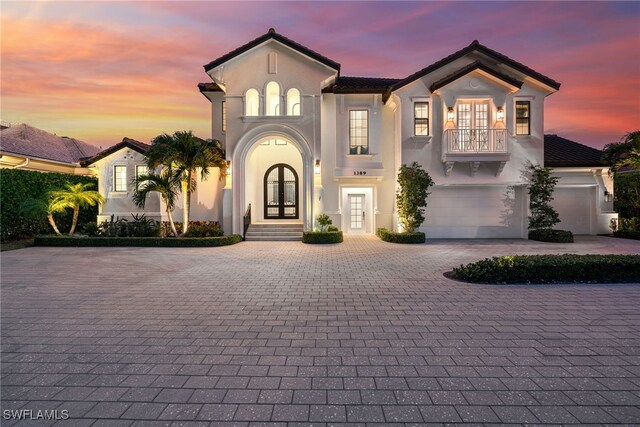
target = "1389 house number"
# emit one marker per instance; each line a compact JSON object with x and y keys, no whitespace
{"x":359,"y":172}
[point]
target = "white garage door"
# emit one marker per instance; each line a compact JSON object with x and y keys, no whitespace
{"x":473,"y":212}
{"x":574,"y":206}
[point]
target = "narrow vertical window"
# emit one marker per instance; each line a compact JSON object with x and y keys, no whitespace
{"x":421,"y":119}
{"x":358,"y":132}
{"x":293,"y":102}
{"x":523,"y":118}
{"x":252,"y":103}
{"x":141,"y":170}
{"x":119,"y":178}
{"x":224,"y":116}
{"x":272,"y":103}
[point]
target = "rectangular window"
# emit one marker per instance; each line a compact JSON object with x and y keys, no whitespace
{"x":119,"y":178}
{"x":523,"y":118}
{"x":358,"y":132}
{"x":224,"y":116}
{"x":421,"y":119}
{"x":141,"y":170}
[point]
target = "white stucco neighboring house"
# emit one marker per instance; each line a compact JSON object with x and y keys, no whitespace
{"x":301,"y":139}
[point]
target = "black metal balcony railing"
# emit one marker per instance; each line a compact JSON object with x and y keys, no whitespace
{"x":476,"y":140}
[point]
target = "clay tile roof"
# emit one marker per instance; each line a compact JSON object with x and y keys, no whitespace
{"x":345,"y":84}
{"x":271,"y":34}
{"x":25,"y":140}
{"x":138,"y":146}
{"x":562,"y":152}
{"x":209,"y":87}
{"x":476,"y":65}
{"x":475,"y":46}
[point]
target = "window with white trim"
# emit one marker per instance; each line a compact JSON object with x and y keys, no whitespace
{"x":358,"y":132}
{"x":272,"y":99}
{"x":224,"y":116}
{"x":141,"y":170}
{"x":293,"y":102}
{"x":421,"y":118}
{"x":523,"y":117}
{"x":120,"y":178}
{"x":252,"y":103}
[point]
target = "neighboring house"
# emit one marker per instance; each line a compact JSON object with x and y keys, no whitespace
{"x":25,"y":147}
{"x":301,"y":140}
{"x":117,"y":168}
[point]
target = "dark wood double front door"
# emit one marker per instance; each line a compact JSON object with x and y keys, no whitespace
{"x":280,"y":192}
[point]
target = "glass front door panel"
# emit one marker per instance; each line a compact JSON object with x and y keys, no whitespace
{"x":356,"y":213}
{"x":281,"y":192}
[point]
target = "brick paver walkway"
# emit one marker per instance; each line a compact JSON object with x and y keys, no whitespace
{"x":277,"y":333}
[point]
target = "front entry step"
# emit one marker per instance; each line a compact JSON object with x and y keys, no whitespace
{"x":274,"y":232}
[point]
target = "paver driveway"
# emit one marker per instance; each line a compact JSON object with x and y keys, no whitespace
{"x":364,"y":332}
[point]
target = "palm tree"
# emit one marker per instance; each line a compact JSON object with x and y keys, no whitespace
{"x":161,"y":183}
{"x":33,"y":209}
{"x":183,"y":154}
{"x":624,"y":153}
{"x":74,"y":196}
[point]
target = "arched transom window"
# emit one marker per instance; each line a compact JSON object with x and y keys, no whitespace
{"x":293,"y":102}
{"x":272,"y":103}
{"x":252,"y":103}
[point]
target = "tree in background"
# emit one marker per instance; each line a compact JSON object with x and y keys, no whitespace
{"x":625,"y":153}
{"x":411,"y":196}
{"x":183,"y":154}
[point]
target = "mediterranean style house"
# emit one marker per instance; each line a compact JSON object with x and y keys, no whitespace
{"x":301,"y":139}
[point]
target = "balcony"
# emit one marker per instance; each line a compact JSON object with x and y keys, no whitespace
{"x":475,"y":146}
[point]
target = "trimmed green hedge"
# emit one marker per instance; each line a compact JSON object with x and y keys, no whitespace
{"x":635,"y":235}
{"x":19,"y":185}
{"x":393,"y":237}
{"x":548,"y":235}
{"x":320,"y":237}
{"x":565,"y":268}
{"x":182,"y":242}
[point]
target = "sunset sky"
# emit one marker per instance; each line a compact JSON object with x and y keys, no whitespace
{"x":99,"y":71}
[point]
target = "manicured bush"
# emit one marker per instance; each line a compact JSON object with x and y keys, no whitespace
{"x":203,"y":229}
{"x":635,"y":235}
{"x":324,"y":221}
{"x":548,"y":235}
{"x":393,"y":237}
{"x":566,"y":268}
{"x":411,"y":196}
{"x":320,"y":237}
{"x":184,"y":242}
{"x":19,"y":185}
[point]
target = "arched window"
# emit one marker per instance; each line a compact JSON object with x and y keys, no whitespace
{"x":293,"y":102}
{"x":272,"y":103}
{"x":252,"y":103}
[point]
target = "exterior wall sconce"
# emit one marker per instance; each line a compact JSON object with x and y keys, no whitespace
{"x":228,"y":167}
{"x":317,"y":167}
{"x":450,"y":114}
{"x":607,"y":196}
{"x":500,"y":114}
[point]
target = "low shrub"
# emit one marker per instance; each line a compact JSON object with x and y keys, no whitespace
{"x":567,"y":268}
{"x":139,"y":226}
{"x":635,"y":235}
{"x":204,"y":229}
{"x":182,"y":242}
{"x":332,"y":228}
{"x":549,"y":235}
{"x":320,"y":237}
{"x":394,"y":237}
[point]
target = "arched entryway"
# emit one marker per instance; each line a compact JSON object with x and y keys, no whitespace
{"x":281,"y":192}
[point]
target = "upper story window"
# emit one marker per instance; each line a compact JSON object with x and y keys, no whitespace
{"x":141,"y":170}
{"x":272,"y":102}
{"x":523,"y":118}
{"x":119,"y":178}
{"x":224,"y":116}
{"x":252,"y":103}
{"x":358,"y":132}
{"x":293,"y":102}
{"x":421,"y":119}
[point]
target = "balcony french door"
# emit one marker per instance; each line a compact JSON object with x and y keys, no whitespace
{"x":281,"y":192}
{"x":472,"y":126}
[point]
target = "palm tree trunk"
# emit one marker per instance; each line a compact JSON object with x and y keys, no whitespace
{"x":172,"y":224}
{"x":74,"y":222}
{"x":53,"y":224}
{"x":186,"y":199}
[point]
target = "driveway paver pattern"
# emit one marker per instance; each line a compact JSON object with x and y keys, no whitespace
{"x":362,"y":333}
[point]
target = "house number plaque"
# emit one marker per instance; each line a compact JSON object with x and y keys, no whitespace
{"x":359,"y":173}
